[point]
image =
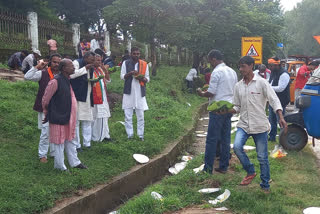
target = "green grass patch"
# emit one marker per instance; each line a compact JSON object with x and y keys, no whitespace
{"x":295,"y":186}
{"x":27,"y":186}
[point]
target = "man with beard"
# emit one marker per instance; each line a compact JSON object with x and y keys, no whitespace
{"x":279,"y":80}
{"x":135,"y":74}
{"x":43,"y":75}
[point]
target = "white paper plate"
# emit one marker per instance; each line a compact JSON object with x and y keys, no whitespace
{"x":180,"y":166}
{"x":156,"y":196}
{"x":186,"y":158}
{"x":231,"y":145}
{"x":221,"y":198}
{"x":141,"y":158}
{"x":201,"y":135}
{"x":199,"y":169}
{"x":123,"y":123}
{"x":201,"y":119}
{"x":221,"y":209}
{"x":249,"y":147}
{"x":114,"y":212}
{"x":206,"y":118}
{"x":188,"y":104}
{"x":199,"y":132}
{"x":235,"y":119}
{"x":209,"y":190}
{"x":311,"y":210}
{"x":205,"y":125}
{"x":173,"y":171}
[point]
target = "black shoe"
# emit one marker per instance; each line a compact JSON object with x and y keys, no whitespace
{"x":81,"y":166}
{"x":220,"y":170}
{"x":87,"y":147}
{"x":107,"y":140}
{"x":79,"y":150}
{"x":141,"y":138}
{"x":66,"y":172}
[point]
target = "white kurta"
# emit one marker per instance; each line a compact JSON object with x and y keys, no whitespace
{"x":84,"y":109}
{"x":102,"y":110}
{"x":134,"y":100}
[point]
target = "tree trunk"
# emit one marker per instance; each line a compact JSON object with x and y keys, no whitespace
{"x":179,"y":55}
{"x":125,"y":39}
{"x":153,"y":58}
{"x":196,"y":58}
{"x":169,"y":55}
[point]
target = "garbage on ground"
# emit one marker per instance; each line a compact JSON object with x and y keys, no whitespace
{"x":180,"y":166}
{"x":114,"y":212}
{"x":173,"y":171}
{"x":311,"y":210}
{"x":156,"y":196}
{"x":209,"y":190}
{"x":186,"y":158}
{"x":221,"y":198}
{"x":221,"y":209}
{"x":235,"y":119}
{"x":199,"y":169}
{"x":188,"y":104}
{"x":123,"y":123}
{"x":199,"y":132}
{"x":141,"y":158}
{"x":245,"y":147}
{"x":206,"y":118}
{"x":278,"y":152}
{"x":201,"y":135}
{"x":201,"y":119}
{"x":205,"y":125}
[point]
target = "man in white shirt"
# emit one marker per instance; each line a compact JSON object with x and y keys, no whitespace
{"x":250,"y":98}
{"x":94,"y":44}
{"x":30,"y":61}
{"x":135,"y":73}
{"x":221,"y":85}
{"x":280,"y":82}
{"x":190,"y":77}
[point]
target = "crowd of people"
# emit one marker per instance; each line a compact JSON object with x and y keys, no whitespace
{"x":74,"y":93}
{"x":265,"y":86}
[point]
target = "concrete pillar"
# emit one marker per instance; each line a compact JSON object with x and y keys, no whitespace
{"x":129,"y":45}
{"x":76,"y":37}
{"x":107,"y":40}
{"x":33,"y":30}
{"x":146,"y":52}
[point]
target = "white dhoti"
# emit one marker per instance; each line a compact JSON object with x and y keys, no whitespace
{"x":100,"y":129}
{"x":86,"y":133}
{"x":70,"y":148}
{"x":44,"y":137}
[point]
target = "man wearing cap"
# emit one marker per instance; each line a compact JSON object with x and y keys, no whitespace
{"x":263,"y":71}
{"x":30,"y":60}
{"x":303,"y":75}
{"x":221,"y":85}
{"x":279,"y":80}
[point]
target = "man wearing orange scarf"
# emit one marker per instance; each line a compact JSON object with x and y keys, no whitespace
{"x":135,"y":73}
{"x":43,"y":75}
{"x":101,"y":111}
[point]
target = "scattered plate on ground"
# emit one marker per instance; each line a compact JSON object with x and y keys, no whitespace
{"x":221,"y":198}
{"x":186,"y":158}
{"x":233,"y":131}
{"x":180,"y":166}
{"x":249,"y":147}
{"x":156,"y":196}
{"x":123,"y":123}
{"x":221,"y":209}
{"x":201,"y":135}
{"x":114,"y":212}
{"x":311,"y":210}
{"x":206,"y":118}
{"x":201,"y":119}
{"x":234,"y":124}
{"x":200,"y":132}
{"x":209,"y":190}
{"x":188,"y":104}
{"x":205,"y":125}
{"x":231,"y":145}
{"x":199,"y":169}
{"x":141,"y":158}
{"x":173,"y":171}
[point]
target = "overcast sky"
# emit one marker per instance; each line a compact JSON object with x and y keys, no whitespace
{"x":289,"y":4}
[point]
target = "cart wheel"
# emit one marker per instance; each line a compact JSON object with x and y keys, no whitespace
{"x":295,"y":139}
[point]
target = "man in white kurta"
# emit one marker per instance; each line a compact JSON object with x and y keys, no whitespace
{"x":134,"y":101}
{"x":101,"y":112}
{"x":84,"y":109}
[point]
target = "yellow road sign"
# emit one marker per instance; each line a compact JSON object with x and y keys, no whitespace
{"x":252,"y":46}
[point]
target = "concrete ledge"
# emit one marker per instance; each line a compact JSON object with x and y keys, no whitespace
{"x":104,"y":198}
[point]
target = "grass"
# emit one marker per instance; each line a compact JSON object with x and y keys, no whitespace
{"x":295,"y":187}
{"x":27,"y":186}
{"x":4,"y":66}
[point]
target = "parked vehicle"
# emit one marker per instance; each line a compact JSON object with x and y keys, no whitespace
{"x":293,"y":67}
{"x":307,"y":120}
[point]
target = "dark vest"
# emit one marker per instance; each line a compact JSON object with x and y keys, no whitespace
{"x":59,"y":109}
{"x":80,"y":84}
{"x":283,"y":96}
{"x":45,"y":78}
{"x":128,"y":82}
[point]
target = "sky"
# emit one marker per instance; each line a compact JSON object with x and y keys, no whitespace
{"x":289,"y":4}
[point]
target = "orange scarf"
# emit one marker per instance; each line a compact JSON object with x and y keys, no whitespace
{"x":50,"y":73}
{"x":142,"y":70}
{"x":97,"y":88}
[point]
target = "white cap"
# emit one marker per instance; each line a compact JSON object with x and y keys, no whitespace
{"x":108,"y":53}
{"x":37,"y":52}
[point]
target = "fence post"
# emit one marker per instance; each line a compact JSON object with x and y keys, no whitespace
{"x":76,"y":36}
{"x":107,"y":40}
{"x":129,"y":45}
{"x":146,"y":52}
{"x":33,"y":30}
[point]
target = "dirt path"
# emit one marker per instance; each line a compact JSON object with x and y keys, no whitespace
{"x":11,"y":75}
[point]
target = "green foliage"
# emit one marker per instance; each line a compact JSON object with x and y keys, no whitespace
{"x":4,"y":66}
{"x":301,"y":26}
{"x":295,"y":187}
{"x":27,"y":186}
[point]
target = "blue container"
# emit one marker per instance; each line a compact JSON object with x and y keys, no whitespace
{"x":311,"y":114}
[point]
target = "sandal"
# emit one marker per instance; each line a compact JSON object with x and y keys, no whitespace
{"x":248,"y":179}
